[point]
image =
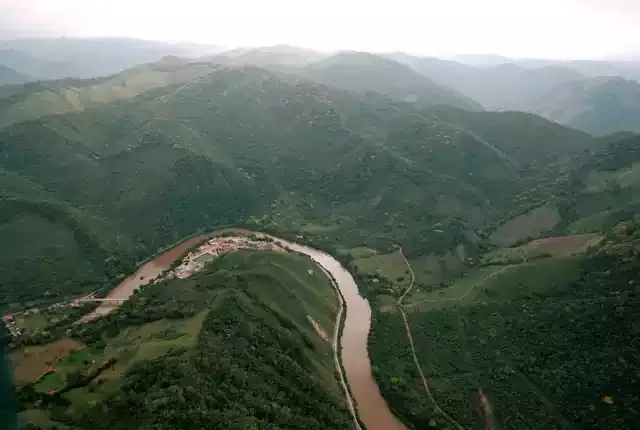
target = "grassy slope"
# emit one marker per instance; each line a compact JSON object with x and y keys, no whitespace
{"x":542,"y":339}
{"x":267,"y":295}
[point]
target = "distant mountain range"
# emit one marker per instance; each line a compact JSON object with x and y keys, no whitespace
{"x":594,"y":96}
{"x":371,"y":158}
{"x":46,"y":59}
{"x":362,"y":71}
{"x":595,"y":105}
{"x":10,"y":76}
{"x":598,"y":97}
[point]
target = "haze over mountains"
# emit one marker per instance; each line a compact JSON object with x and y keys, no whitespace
{"x":571,"y":92}
{"x":489,"y":213}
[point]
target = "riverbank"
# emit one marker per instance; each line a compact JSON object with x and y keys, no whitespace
{"x":369,"y":409}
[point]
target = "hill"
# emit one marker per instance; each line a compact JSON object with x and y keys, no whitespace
{"x":402,"y":192}
{"x":39,"y":99}
{"x":505,"y":86}
{"x":277,"y":56}
{"x":598,"y":105}
{"x":147,"y":170}
{"x":511,"y":312}
{"x":502,"y":333}
{"x":10,"y":76}
{"x":47,"y":59}
{"x":362,"y":71}
{"x":233,"y":346}
{"x":525,"y":137}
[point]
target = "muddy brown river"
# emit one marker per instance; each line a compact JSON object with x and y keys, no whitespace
{"x":369,"y":403}
{"x":145,"y":273}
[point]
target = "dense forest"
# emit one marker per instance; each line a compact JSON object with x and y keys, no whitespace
{"x":93,"y":186}
{"x":557,"y":355}
{"x":249,"y":357}
{"x":93,"y":192}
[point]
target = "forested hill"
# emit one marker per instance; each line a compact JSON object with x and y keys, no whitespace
{"x":232,"y":347}
{"x":597,"y":105}
{"x":362,"y":71}
{"x":492,"y":215}
{"x":123,"y":179}
{"x":10,"y":76}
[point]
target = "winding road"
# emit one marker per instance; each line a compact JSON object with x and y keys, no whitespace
{"x":436,"y":407}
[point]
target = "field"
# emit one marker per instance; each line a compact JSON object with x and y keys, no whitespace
{"x":390,"y":266}
{"x":598,"y":182}
{"x":435,"y":269}
{"x":32,"y":361}
{"x":362,"y":252}
{"x":39,"y":321}
{"x":463,"y":290}
{"x":285,"y":295}
{"x":134,"y":345}
{"x":548,"y":276}
{"x":504,"y":282}
{"x":605,"y":220}
{"x":528,"y":225}
{"x":559,"y":246}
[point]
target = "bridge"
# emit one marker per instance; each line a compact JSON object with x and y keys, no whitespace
{"x":91,"y":299}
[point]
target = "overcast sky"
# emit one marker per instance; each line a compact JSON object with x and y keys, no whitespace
{"x":517,"y":28}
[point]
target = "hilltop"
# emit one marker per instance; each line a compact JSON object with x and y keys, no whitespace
{"x":362,"y":71}
{"x":9,"y":76}
{"x":130,"y":176}
{"x":48,"y":59}
{"x":597,"y":105}
{"x":505,"y":225}
{"x":234,"y":346}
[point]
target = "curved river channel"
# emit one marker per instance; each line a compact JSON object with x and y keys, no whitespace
{"x":371,"y":407}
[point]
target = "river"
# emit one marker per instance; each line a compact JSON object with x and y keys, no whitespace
{"x":145,"y":274}
{"x":371,"y":406}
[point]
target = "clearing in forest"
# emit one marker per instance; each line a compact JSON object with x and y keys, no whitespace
{"x":559,"y":246}
{"x":530,"y":224}
{"x":32,"y":361}
{"x":391,"y":266}
{"x":464,"y":289}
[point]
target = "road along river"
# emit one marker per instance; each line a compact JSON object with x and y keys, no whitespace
{"x":371,"y":407}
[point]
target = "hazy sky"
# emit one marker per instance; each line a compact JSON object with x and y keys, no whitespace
{"x":520,"y":28}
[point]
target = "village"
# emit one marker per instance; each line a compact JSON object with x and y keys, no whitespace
{"x":192,"y":263}
{"x":196,"y":260}
{"x":11,"y":322}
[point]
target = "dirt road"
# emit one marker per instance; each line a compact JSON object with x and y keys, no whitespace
{"x":436,"y":407}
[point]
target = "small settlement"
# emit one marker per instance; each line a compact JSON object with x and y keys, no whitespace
{"x":196,"y":260}
{"x":11,"y":322}
{"x":191,"y":263}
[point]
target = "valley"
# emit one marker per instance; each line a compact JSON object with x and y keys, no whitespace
{"x":272,"y":239}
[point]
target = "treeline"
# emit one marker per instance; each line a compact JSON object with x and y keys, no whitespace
{"x":565,"y":358}
{"x":248,"y":372}
{"x":252,"y":367}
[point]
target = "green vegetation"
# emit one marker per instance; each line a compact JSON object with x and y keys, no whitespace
{"x":551,"y":342}
{"x":390,"y":266}
{"x":99,"y":175}
{"x":9,"y":76}
{"x":598,"y":105}
{"x":526,"y":226}
{"x":231,"y":347}
{"x":91,"y":193}
{"x":362,"y":71}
